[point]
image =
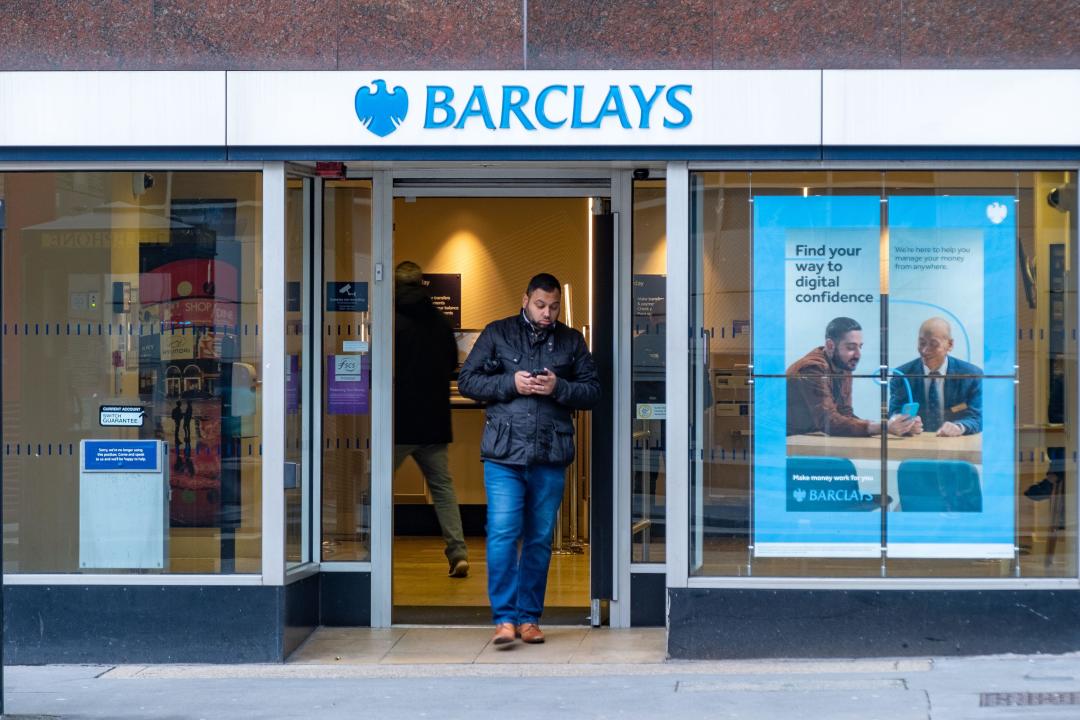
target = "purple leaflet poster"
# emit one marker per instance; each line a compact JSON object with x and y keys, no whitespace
{"x":348,"y":384}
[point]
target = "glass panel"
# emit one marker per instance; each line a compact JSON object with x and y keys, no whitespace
{"x":924,"y":431}
{"x":647,"y":351}
{"x":720,"y":431}
{"x":297,"y":488}
{"x":1005,"y":377}
{"x":132,"y":290}
{"x":346,"y":367}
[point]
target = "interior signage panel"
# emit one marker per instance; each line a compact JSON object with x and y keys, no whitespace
{"x":444,"y":289}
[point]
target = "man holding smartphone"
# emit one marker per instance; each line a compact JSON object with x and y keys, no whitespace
{"x":533,"y":372}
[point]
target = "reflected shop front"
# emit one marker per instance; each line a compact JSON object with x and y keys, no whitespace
{"x":834,"y":315}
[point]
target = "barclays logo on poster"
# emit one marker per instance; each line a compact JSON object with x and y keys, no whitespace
{"x":382,"y":111}
{"x":517,"y":107}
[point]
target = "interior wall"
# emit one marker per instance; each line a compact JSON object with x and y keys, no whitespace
{"x":497,"y":244}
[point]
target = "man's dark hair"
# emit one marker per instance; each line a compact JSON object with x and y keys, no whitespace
{"x":544,"y":281}
{"x":839,"y":327}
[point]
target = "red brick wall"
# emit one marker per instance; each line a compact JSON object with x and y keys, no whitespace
{"x":556,"y":34}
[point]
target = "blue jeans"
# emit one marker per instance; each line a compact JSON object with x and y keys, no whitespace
{"x":523,"y":502}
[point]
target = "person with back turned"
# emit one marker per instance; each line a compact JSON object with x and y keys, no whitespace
{"x":425,"y":357}
{"x":533,"y":372}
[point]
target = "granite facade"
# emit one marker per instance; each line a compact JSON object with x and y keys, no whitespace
{"x":537,"y":34}
{"x":991,"y":34}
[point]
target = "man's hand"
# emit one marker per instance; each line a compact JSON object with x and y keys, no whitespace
{"x":950,"y":429}
{"x":900,"y":424}
{"x":544,"y":384}
{"x":529,"y":384}
{"x":524,"y":383}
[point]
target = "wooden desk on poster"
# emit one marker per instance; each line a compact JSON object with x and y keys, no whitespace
{"x":926,"y":446}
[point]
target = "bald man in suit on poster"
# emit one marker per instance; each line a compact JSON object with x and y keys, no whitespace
{"x":948,"y":390}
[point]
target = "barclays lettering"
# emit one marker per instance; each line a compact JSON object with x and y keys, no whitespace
{"x":514,"y":107}
{"x":382,"y":110}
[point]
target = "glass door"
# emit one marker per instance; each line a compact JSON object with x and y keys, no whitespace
{"x":345,"y":365}
{"x":299,"y":200}
{"x":476,"y":249}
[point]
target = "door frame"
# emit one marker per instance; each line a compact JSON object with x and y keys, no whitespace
{"x":446,"y":181}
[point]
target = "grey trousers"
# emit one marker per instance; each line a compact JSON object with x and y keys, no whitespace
{"x":435,"y":465}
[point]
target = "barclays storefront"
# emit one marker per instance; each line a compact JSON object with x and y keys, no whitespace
{"x":835,"y":314}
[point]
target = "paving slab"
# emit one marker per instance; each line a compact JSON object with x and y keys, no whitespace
{"x":347,"y":645}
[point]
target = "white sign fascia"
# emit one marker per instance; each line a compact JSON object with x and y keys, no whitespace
{"x":112,"y":109}
{"x":526,"y":108}
{"x":950,"y":107}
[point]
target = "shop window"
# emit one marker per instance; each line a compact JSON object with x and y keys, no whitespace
{"x":128,"y":300}
{"x":192,"y":380}
{"x":173,"y":385}
{"x":883,"y":376}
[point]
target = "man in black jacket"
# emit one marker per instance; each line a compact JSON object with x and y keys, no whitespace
{"x":425,"y":356}
{"x":533,"y":372}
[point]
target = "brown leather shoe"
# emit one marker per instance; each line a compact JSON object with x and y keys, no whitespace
{"x":530,"y":633}
{"x":504,"y":634}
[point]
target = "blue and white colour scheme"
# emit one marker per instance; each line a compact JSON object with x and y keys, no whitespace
{"x":954,"y":257}
{"x":121,"y":456}
{"x":795,"y":108}
{"x":546,"y":108}
{"x":123,"y":505}
{"x":941,"y":260}
{"x":829,"y":249}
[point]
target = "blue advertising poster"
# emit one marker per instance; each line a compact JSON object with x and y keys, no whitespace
{"x":836,"y":441}
{"x":952,"y":330}
{"x":815,"y":494}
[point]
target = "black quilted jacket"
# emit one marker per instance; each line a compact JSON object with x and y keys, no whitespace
{"x":529,"y":429}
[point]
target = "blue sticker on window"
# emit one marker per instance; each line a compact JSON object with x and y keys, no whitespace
{"x":120,"y":456}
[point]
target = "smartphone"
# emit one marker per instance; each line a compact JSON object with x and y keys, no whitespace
{"x":536,"y":372}
{"x":910,"y":409}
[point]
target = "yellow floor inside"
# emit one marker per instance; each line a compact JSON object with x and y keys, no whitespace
{"x":420,"y":577}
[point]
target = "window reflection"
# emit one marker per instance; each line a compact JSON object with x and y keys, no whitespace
{"x":132,"y":289}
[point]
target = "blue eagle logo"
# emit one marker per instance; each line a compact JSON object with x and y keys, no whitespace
{"x":382,"y":111}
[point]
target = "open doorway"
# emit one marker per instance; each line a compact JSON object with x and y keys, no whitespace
{"x":477,"y":255}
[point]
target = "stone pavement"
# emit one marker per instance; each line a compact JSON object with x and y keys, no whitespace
{"x":579,"y":673}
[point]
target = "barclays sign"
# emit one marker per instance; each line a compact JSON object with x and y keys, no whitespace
{"x":526,"y":108}
{"x":508,"y":106}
